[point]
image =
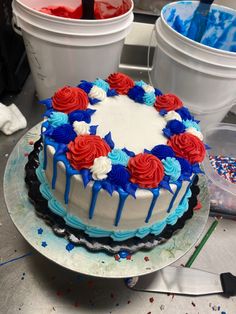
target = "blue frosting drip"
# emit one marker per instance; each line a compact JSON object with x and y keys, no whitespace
{"x":136,"y":93}
{"x":184,"y":113}
{"x":86,"y":86}
{"x":57,"y":118}
{"x":81,"y":115}
{"x":102,"y":84}
{"x":123,"y":195}
{"x":118,"y":157}
{"x":155,"y":193}
{"x":119,"y":176}
{"x":149,"y":99}
{"x":191,"y":124}
{"x":178,"y":185}
{"x":64,"y":134}
{"x":75,"y":222}
{"x":162,"y":151}
{"x":96,"y":188}
{"x":172,"y":168}
{"x":175,"y":126}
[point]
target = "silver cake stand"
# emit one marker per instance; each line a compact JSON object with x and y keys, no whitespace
{"x":41,"y":236}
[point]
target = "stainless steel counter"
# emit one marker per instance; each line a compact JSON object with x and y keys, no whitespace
{"x":32,"y":284}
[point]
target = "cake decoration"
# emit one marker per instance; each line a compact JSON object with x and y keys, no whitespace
{"x":68,"y":99}
{"x":188,"y":146}
{"x":168,"y":102}
{"x":118,"y":157}
{"x":84,"y":149}
{"x":120,"y":82}
{"x":81,"y":115}
{"x":57,"y":118}
{"x":172,"y":168}
{"x":81,"y":127}
{"x":146,"y":170}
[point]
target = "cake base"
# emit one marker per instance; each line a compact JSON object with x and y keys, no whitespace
{"x":78,"y":237}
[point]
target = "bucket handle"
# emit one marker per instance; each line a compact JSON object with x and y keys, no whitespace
{"x":148,"y":56}
{"x":15,"y":26}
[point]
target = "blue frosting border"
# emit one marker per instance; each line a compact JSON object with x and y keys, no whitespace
{"x":73,"y":221}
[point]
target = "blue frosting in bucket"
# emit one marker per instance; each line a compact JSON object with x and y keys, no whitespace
{"x":220,"y":24}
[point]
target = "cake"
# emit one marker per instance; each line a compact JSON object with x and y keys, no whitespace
{"x":118,"y":158}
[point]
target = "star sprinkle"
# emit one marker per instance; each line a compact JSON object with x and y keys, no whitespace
{"x":44,"y":244}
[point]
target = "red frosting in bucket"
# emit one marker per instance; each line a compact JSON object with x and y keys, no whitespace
{"x":102,"y":9}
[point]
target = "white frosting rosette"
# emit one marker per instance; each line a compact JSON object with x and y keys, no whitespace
{"x":81,"y":127}
{"x":148,"y":88}
{"x":97,"y":92}
{"x":172,"y":115}
{"x":195,"y":132}
{"x":100,"y":168}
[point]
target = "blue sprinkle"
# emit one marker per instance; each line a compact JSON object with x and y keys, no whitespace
{"x":44,"y":244}
{"x":70,"y":247}
{"x":123,"y":254}
{"x":40,"y":231}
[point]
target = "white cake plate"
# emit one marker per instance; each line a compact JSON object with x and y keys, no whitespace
{"x":79,"y":259}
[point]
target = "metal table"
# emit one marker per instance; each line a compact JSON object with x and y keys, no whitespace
{"x":32,"y":284}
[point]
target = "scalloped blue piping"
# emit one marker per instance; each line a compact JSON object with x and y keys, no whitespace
{"x":57,"y":208}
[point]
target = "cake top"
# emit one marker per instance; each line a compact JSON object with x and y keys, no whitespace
{"x":124,"y":134}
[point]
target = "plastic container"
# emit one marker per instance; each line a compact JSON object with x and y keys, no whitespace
{"x":222,"y":140}
{"x":211,"y":117}
{"x":203,"y":77}
{"x":63,"y":51}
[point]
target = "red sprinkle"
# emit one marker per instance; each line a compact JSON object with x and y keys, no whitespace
{"x":26,"y":154}
{"x":128,"y":257}
{"x":117,"y":257}
{"x":146,"y":258}
{"x":31,"y":142}
{"x":151,"y":299}
{"x":198,"y":206}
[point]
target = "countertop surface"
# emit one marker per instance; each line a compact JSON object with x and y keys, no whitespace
{"x":32,"y":284}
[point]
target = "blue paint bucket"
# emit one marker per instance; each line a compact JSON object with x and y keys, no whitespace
{"x":202,"y":74}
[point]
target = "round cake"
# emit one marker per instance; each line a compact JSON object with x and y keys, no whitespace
{"x":119,"y":157}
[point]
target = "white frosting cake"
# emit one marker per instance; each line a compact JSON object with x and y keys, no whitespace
{"x":119,"y":157}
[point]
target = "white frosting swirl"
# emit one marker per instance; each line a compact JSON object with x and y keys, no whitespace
{"x":100,"y":168}
{"x":81,"y":127}
{"x":148,"y":88}
{"x":195,"y":132}
{"x":172,"y":115}
{"x":97,"y":92}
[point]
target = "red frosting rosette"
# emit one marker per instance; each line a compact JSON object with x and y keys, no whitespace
{"x":146,"y":170}
{"x":168,"y":102}
{"x":84,"y":149}
{"x":68,"y":99}
{"x":188,"y":146}
{"x":120,"y":82}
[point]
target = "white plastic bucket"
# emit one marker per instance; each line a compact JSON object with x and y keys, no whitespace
{"x":203,"y":77}
{"x":64,"y":51}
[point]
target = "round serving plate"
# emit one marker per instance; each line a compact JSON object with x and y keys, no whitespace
{"x":77,"y":258}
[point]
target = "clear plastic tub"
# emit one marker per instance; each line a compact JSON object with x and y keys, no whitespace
{"x":222,"y":141}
